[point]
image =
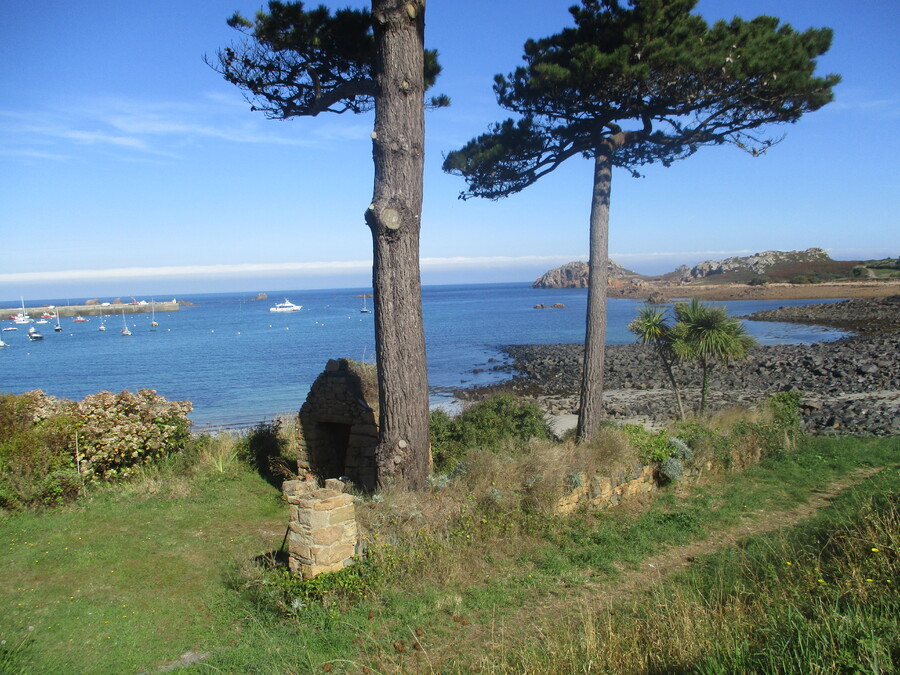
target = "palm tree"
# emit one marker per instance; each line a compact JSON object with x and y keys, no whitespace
{"x":651,"y":327}
{"x":707,"y":335}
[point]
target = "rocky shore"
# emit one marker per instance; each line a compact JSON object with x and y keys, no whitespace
{"x":850,"y":386}
{"x":873,"y":315}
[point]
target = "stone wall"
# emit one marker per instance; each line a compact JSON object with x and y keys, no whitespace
{"x":338,"y":428}
{"x":605,"y":491}
{"x":322,"y":533}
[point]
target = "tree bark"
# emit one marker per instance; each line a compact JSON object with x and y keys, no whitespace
{"x":394,"y":216}
{"x":591,"y":413}
{"x":671,"y":374}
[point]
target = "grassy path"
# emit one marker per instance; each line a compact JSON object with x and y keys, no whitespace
{"x":559,"y":604}
{"x":136,"y":578}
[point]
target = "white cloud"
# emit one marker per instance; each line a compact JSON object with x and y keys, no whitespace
{"x":269,"y":269}
{"x":156,"y":128}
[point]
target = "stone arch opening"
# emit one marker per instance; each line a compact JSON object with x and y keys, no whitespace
{"x":331,"y":455}
{"x":338,"y":428}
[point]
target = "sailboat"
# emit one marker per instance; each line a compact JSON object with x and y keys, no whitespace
{"x":22,"y":317}
{"x":153,"y":323}
{"x":365,"y":309}
{"x":57,"y":327}
{"x":125,"y":330}
{"x":102,"y":321}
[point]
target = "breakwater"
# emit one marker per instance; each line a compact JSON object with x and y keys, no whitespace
{"x":92,"y":310}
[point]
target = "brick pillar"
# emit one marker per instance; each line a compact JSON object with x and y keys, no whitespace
{"x":323,"y":533}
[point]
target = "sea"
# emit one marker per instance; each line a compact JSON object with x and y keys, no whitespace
{"x":240,"y":364}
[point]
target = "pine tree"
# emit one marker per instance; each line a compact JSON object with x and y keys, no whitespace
{"x":631,"y":86}
{"x":295,"y":63}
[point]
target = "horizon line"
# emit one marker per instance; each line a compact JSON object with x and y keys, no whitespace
{"x":325,"y":268}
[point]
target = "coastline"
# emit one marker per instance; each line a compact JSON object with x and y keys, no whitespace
{"x":771,"y":291}
{"x":849,"y":386}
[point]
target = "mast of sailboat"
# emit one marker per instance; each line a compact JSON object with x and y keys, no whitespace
{"x":125,"y":330}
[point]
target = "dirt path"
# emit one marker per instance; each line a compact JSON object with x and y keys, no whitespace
{"x":678,"y":558}
{"x":532,"y":618}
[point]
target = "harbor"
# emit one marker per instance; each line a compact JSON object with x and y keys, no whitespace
{"x":92,"y":308}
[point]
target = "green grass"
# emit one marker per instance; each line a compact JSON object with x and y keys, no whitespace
{"x":819,"y":597}
{"x":121,"y":582}
{"x":143,"y":572}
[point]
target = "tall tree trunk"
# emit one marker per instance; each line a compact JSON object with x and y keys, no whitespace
{"x":394,"y":218}
{"x":591,"y":413}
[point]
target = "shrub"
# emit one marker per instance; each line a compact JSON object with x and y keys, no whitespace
{"x":487,"y":424}
{"x":117,"y":432}
{"x":680,"y":449}
{"x":262,"y":450}
{"x":671,"y":469}
{"x":785,"y":408}
{"x":48,"y":445}
{"x":651,"y":446}
{"x":30,"y":450}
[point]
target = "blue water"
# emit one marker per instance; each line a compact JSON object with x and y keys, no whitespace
{"x":239,"y":363}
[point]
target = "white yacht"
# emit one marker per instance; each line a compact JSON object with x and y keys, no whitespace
{"x":286,"y":306}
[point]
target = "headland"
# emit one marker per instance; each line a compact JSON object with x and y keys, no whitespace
{"x":769,"y":275}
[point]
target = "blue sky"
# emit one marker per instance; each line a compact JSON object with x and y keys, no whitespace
{"x":128,"y":167}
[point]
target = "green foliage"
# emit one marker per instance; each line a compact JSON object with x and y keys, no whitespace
{"x":705,"y":334}
{"x":671,"y":469}
{"x":271,"y":587}
{"x":652,"y":446}
{"x":301,"y":63}
{"x":49,"y":447}
{"x":760,"y":280}
{"x":30,"y":451}
{"x":651,"y":327}
{"x":118,"y":432}
{"x":262,"y":449}
{"x":785,"y":407}
{"x":643,"y":83}
{"x":485,"y":425}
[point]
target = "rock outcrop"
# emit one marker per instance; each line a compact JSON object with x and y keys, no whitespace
{"x":575,"y":275}
{"x":757,"y":263}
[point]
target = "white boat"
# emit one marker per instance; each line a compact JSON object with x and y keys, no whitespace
{"x":3,"y":344}
{"x":286,"y":306}
{"x":153,"y":323}
{"x":34,"y":335}
{"x":125,"y":330}
{"x":8,"y":328}
{"x":365,"y":309}
{"x":57,"y":327}
{"x":102,"y":321}
{"x":22,"y":317}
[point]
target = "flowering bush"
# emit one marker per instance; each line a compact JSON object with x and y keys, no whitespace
{"x":103,"y":436}
{"x":117,"y":432}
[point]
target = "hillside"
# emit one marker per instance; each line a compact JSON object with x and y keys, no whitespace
{"x":760,"y":270}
